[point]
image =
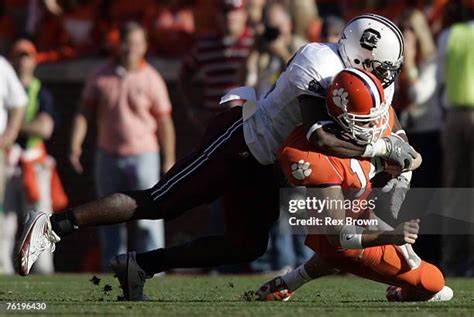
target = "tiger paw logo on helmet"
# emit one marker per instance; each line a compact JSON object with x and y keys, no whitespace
{"x":301,"y":170}
{"x":339,"y":97}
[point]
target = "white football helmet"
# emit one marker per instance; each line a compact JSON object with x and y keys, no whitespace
{"x":372,"y":42}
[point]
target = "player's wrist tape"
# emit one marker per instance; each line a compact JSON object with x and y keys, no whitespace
{"x":378,"y":148}
{"x":407,"y":175}
{"x":316,"y":126}
{"x":351,"y":237}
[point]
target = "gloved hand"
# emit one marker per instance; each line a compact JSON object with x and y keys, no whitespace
{"x":397,"y":189}
{"x":399,"y":151}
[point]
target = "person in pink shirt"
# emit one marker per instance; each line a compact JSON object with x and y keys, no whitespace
{"x":130,"y":103}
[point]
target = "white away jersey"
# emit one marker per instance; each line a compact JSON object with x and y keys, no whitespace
{"x":309,"y":73}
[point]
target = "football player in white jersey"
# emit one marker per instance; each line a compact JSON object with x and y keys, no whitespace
{"x":368,"y":42}
{"x":235,"y":161}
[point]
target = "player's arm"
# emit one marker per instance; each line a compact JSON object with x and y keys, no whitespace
{"x":396,"y":126}
{"x":393,"y":148}
{"x":406,"y":232}
{"x":167,"y":140}
{"x":354,"y":237}
{"x":14,"y":100}
{"x":42,"y":125}
{"x":314,"y":114}
{"x":15,"y":119}
{"x":78,"y":134}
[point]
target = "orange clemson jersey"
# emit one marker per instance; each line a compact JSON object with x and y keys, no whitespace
{"x":303,"y":166}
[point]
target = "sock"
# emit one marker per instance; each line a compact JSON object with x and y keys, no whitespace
{"x":151,"y":261}
{"x":203,"y":252}
{"x":64,"y":222}
{"x":296,"y":278}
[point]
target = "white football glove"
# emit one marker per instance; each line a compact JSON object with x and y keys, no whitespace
{"x":397,"y":189}
{"x":399,"y":151}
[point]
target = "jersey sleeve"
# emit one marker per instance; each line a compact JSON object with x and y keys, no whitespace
{"x":312,"y":69}
{"x":305,"y":167}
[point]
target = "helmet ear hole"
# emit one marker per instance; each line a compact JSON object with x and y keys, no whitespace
{"x":357,"y":61}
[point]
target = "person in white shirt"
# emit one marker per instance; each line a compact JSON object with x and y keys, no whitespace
{"x":13,"y":101}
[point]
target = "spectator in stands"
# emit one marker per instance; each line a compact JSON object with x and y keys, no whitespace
{"x":205,"y":12}
{"x":125,"y":11}
{"x":171,"y":28}
{"x":221,"y":57}
{"x":456,"y":72}
{"x":434,"y":14}
{"x":12,"y":108}
{"x":255,"y":9}
{"x":129,"y":101}
{"x":420,"y":113}
{"x":388,"y":9}
{"x":32,"y":180}
{"x":114,"y":14}
{"x":276,"y":46}
{"x":418,"y":101}
{"x":70,"y":33}
{"x":9,"y":27}
{"x":331,"y":29}
{"x":306,"y":21}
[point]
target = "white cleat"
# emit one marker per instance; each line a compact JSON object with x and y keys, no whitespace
{"x":395,"y":294}
{"x":444,"y":295}
{"x":37,"y":236}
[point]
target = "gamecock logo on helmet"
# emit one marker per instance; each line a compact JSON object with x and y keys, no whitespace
{"x":369,"y":39}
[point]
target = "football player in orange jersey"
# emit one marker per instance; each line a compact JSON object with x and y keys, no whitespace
{"x":356,"y":102}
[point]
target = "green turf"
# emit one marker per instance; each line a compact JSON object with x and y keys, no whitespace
{"x":222,"y":296}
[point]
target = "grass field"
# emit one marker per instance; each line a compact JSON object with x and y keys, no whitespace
{"x":223,"y":296}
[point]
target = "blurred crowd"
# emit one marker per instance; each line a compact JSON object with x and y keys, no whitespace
{"x":66,"y":29}
{"x":221,"y":44}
